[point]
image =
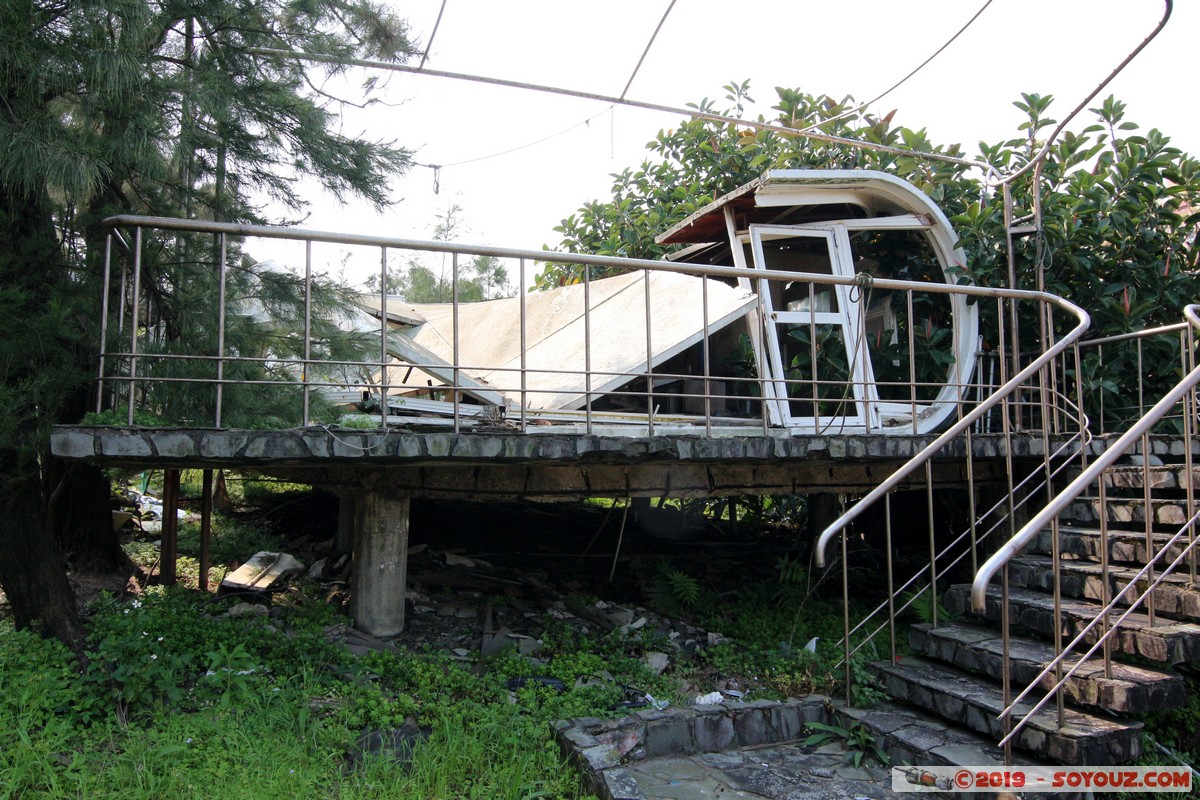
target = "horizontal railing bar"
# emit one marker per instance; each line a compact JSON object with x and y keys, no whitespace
{"x":546,"y":256}
{"x":1142,"y":334}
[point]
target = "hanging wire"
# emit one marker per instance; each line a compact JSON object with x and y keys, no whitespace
{"x":429,"y":44}
{"x":650,"y":44}
{"x":694,"y":113}
{"x":903,"y":80}
{"x":584,"y":124}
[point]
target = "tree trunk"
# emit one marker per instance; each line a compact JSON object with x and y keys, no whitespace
{"x":43,"y":369}
{"x":79,"y":516}
{"x":32,"y":568}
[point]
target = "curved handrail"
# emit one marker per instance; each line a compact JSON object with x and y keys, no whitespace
{"x":1081,"y":637}
{"x":1080,"y":439}
{"x":964,"y":424}
{"x":1089,"y":476}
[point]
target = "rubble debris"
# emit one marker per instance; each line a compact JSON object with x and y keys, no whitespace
{"x":656,"y":662}
{"x":264,"y":572}
{"x":247,"y":610}
{"x":535,"y":680}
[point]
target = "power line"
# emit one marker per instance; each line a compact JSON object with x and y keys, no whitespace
{"x":646,"y":52}
{"x":903,"y":80}
{"x":429,"y":44}
{"x":585,"y":123}
{"x":693,"y":113}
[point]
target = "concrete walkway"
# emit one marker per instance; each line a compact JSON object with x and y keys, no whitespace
{"x":779,"y":772}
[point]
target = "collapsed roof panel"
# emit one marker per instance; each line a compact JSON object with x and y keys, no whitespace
{"x":557,"y":336}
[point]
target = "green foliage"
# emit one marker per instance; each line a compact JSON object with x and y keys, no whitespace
{"x":1116,"y":240}
{"x":440,"y":277}
{"x":859,"y":741}
{"x":919,"y":604}
{"x":697,"y":161}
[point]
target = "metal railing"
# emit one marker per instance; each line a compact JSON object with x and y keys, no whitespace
{"x":1182,"y":398}
{"x":1032,"y":402}
{"x":143,"y":366}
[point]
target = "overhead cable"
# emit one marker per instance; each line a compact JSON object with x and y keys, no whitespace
{"x":1168,"y":7}
{"x":429,"y":44}
{"x":903,"y":80}
{"x":695,"y":113}
{"x":685,"y":112}
{"x":649,"y":44}
{"x":585,"y":123}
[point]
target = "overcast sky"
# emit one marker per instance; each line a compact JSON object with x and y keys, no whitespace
{"x":856,"y":47}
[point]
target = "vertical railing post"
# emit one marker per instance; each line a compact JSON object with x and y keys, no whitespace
{"x":1189,"y":430}
{"x":812,"y":357}
{"x":307,"y":327}
{"x":587,"y":347}
{"x":1141,"y":384}
{"x":457,"y":333}
{"x":650,"y":408}
{"x":1105,"y":576}
{"x":912,"y":360}
{"x":1148,"y":505}
{"x":133,"y":319}
{"x":104,"y":322}
{"x":706,"y":355}
{"x":891,"y":589}
{"x":1005,"y":633}
{"x":384,"y":333}
{"x":849,"y":673}
{"x":1046,"y":375}
{"x":221,"y":290}
{"x":524,"y":350}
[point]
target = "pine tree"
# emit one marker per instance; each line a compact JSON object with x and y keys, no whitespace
{"x":158,"y":108}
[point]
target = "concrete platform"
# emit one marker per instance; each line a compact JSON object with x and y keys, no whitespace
{"x":541,"y":465}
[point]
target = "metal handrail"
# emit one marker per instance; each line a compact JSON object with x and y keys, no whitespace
{"x":963,"y":425}
{"x":1093,"y":473}
{"x":223,"y":230}
{"x":1100,"y":641}
{"x":1086,"y":478}
{"x":1065,"y":447}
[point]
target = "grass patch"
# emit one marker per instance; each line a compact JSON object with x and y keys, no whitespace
{"x":178,"y":699}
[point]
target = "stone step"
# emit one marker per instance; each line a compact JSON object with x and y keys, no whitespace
{"x":966,"y":700}
{"x":1168,"y":449}
{"x":1177,"y":596}
{"x":1162,"y":478}
{"x":1124,"y":547}
{"x":913,"y":736}
{"x":1167,"y":514}
{"x":979,"y":650}
{"x":1166,"y":642}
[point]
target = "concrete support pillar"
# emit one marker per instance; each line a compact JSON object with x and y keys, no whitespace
{"x":344,"y":542}
{"x":380,"y":562}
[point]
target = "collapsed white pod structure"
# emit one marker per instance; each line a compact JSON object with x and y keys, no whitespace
{"x":825,"y":351}
{"x":854,"y":224}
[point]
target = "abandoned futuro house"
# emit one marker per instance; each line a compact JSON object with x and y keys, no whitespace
{"x":815,"y":346}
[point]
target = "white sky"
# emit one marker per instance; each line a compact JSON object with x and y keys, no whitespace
{"x":857,"y":47}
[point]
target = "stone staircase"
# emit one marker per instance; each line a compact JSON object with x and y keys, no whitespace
{"x":956,"y":670}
